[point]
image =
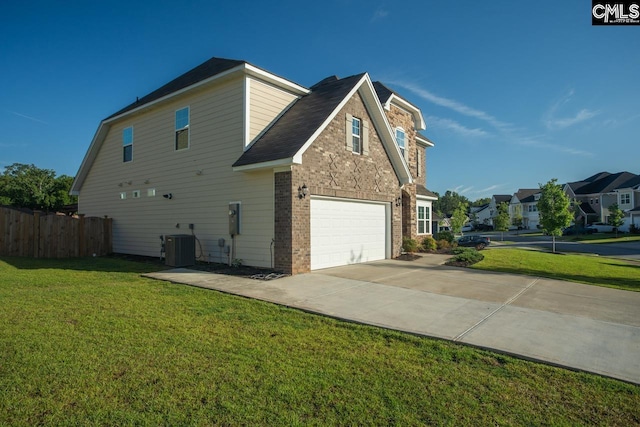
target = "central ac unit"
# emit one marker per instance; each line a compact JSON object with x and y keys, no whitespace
{"x":180,"y":250}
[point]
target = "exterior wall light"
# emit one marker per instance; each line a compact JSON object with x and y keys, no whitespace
{"x":168,"y":196}
{"x":303,"y":191}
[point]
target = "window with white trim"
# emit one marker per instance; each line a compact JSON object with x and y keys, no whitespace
{"x":123,"y":195}
{"x":356,"y":136}
{"x":127,"y":144}
{"x":182,"y":129}
{"x":625,"y":198}
{"x":424,"y":218}
{"x":400,"y":139}
{"x":135,"y":194}
{"x":151,"y":192}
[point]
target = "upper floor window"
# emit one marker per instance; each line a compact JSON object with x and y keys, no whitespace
{"x":356,"y":135}
{"x":182,"y":129}
{"x":400,"y":138}
{"x":625,"y":199}
{"x":127,"y":144}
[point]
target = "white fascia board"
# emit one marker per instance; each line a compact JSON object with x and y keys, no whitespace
{"x":276,"y":80}
{"x":89,"y":157}
{"x":375,"y":109}
{"x":421,"y":197}
{"x":377,"y":114}
{"x":235,"y":70}
{"x":274,"y":164}
{"x":242,"y":68}
{"x":406,"y":105}
{"x":424,"y":141}
{"x":297,"y":158}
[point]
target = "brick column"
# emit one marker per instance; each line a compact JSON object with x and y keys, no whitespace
{"x":282,"y":248}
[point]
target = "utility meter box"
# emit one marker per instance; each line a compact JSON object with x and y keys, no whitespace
{"x":180,"y":250}
{"x":234,"y":218}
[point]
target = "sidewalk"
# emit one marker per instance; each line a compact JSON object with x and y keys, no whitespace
{"x":567,"y":324}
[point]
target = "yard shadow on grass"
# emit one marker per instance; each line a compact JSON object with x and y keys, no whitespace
{"x":111,"y":263}
{"x":630,"y":283}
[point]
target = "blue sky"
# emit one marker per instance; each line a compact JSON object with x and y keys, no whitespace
{"x":513,"y":93}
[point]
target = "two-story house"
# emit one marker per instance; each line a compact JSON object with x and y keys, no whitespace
{"x":523,"y":208}
{"x":261,"y":169}
{"x":597,"y":193}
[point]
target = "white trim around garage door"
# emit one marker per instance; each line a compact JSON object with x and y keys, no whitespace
{"x":348,"y":231}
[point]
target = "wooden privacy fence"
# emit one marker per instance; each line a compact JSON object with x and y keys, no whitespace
{"x":40,"y":235}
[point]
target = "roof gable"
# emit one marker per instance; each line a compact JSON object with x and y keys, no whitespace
{"x":209,"y":71}
{"x":605,"y":184}
{"x":388,"y":97}
{"x":298,"y":124}
{"x":212,"y":67}
{"x":289,"y":137}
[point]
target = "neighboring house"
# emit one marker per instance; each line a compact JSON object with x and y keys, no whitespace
{"x":524,"y":205}
{"x":597,"y":193}
{"x":496,"y":200}
{"x":629,"y":201}
{"x":261,"y":169}
{"x":480,"y":214}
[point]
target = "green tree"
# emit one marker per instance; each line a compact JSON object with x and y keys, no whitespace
{"x":481,"y":202}
{"x":447,"y":204}
{"x":616,"y":217}
{"x":458,"y":218}
{"x":501,"y":220}
{"x":30,"y":187}
{"x":553,"y":207}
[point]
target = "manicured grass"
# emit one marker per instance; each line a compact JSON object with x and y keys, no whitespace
{"x":89,"y":342}
{"x":593,"y":270}
{"x":604,"y":238}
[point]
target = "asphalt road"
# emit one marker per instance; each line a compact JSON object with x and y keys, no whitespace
{"x":630,"y":250}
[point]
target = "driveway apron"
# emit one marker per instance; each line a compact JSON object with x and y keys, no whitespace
{"x":577,"y":326}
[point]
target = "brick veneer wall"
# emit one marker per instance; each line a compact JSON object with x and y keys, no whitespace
{"x":329,"y":169}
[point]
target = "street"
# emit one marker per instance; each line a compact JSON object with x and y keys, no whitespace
{"x":628,"y":250}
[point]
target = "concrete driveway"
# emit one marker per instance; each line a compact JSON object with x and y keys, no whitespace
{"x":578,"y":326}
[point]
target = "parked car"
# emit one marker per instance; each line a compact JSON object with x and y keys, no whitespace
{"x":484,"y":227}
{"x":478,"y":242}
{"x":601,"y":227}
{"x":571,"y":230}
{"x":467,"y":227}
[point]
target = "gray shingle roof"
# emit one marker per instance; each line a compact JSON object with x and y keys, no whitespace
{"x":383,"y":92}
{"x":290,"y":132}
{"x":202,"y":72}
{"x":526,"y":195}
{"x":421,"y":190}
{"x":502,"y":198}
{"x":605,"y":184}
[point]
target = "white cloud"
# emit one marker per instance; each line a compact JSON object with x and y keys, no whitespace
{"x":453,"y":105}
{"x":24,"y":116}
{"x":552,"y":122}
{"x":379,"y":14}
{"x":537,"y":143}
{"x":454,"y":126}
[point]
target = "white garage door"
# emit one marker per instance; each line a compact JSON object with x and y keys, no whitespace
{"x":347,"y":232}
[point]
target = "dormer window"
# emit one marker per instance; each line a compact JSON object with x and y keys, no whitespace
{"x":400,"y":139}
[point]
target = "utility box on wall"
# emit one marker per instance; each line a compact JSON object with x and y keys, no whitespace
{"x":180,"y":250}
{"x":234,"y":219}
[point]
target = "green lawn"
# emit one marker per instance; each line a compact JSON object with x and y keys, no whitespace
{"x":90,"y":342}
{"x":603,"y":238}
{"x":593,"y":270}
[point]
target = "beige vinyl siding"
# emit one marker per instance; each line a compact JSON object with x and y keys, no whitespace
{"x":199,"y":178}
{"x":267,"y":103}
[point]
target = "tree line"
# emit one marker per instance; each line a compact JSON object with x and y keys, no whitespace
{"x":27,"y":186}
